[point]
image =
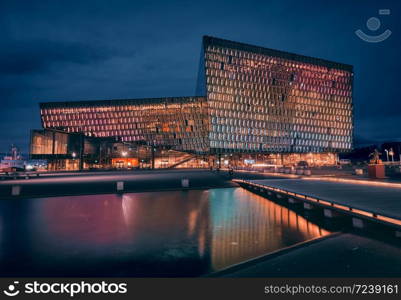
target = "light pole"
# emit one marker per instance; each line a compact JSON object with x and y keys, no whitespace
{"x":124,"y":154}
{"x":74,"y":155}
{"x":386,"y":154}
{"x":391,"y":152}
{"x":399,"y":153}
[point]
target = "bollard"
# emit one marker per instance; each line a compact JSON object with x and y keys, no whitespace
{"x":293,"y":201}
{"x":15,"y":190}
{"x":358,"y":223}
{"x":120,"y":186}
{"x":308,"y":206}
{"x":329,"y":213}
{"x":185,"y":182}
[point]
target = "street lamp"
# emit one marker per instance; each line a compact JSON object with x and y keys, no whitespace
{"x":391,"y":152}
{"x":124,"y":153}
{"x":74,"y":155}
{"x":386,"y":154}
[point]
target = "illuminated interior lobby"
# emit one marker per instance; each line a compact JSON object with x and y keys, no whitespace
{"x":254,"y":107}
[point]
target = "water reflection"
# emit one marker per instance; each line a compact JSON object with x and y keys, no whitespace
{"x":178,"y":233}
{"x":245,"y":225}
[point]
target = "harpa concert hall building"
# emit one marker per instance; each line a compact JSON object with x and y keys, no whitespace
{"x":253,"y":106}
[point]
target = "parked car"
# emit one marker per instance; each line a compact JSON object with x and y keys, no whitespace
{"x":303,"y":164}
{"x":344,"y":161}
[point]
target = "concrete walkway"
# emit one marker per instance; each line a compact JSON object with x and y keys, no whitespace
{"x":382,"y":200}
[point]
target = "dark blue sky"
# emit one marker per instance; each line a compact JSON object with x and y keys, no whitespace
{"x":76,"y":50}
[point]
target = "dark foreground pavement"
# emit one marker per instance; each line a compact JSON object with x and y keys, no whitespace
{"x":338,"y":255}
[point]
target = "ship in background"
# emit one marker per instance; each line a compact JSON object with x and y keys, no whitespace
{"x":14,"y":161}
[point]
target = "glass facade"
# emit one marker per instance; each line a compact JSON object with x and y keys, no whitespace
{"x":180,"y":123}
{"x":48,"y":142}
{"x":263,"y":100}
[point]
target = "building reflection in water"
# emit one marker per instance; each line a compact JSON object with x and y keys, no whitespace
{"x":245,"y":225}
{"x":177,"y":233}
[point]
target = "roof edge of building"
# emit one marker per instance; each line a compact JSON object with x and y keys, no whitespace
{"x":268,"y":51}
{"x":114,"y":101}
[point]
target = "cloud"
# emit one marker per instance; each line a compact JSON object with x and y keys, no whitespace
{"x":29,"y":56}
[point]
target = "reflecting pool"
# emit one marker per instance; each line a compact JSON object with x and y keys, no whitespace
{"x":174,"y":233}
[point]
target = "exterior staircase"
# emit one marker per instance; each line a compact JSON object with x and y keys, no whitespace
{"x":184,"y":160}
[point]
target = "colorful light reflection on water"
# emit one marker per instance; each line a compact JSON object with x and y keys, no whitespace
{"x":175,"y":233}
